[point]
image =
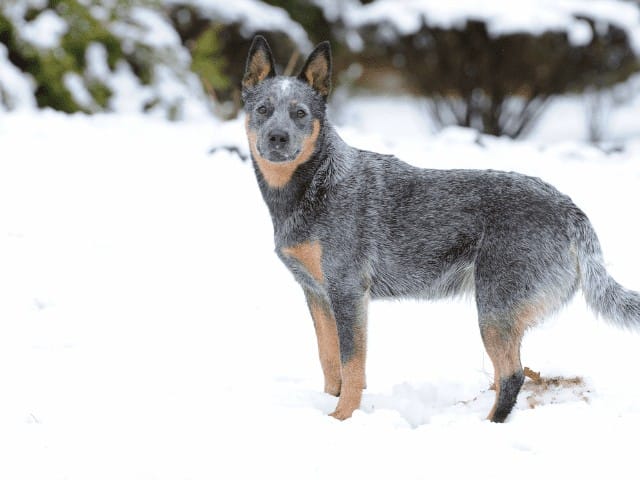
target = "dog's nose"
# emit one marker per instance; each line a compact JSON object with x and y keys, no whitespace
{"x":278,"y":138}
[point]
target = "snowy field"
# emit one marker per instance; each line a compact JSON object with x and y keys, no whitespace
{"x":148,"y":331}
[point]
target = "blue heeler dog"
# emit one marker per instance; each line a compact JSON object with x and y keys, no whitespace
{"x":353,"y":225}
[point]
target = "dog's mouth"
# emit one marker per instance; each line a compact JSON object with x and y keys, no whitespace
{"x":277,"y":156}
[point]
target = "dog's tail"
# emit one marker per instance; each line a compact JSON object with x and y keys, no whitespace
{"x":603,"y":294}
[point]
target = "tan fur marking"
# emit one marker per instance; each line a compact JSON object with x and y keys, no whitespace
{"x":353,"y":379}
{"x":259,"y":68}
{"x":328,"y":346}
{"x":496,"y":385}
{"x":309,"y":254}
{"x":504,"y":352}
{"x":528,"y":317}
{"x":504,"y":347}
{"x":505,"y":356}
{"x":278,"y":174}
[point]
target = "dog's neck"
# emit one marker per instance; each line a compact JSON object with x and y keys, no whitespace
{"x":303,"y":195}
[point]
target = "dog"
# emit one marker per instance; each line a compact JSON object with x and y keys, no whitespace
{"x":353,"y":225}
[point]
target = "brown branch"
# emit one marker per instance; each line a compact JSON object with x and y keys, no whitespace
{"x":288,"y":70}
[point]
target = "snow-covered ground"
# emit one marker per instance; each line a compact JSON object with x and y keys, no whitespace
{"x":147,"y":330}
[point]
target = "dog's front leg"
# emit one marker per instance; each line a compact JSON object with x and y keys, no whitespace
{"x":350,"y":311}
{"x":328,"y":346}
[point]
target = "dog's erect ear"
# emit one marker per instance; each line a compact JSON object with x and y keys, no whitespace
{"x":317,"y":71}
{"x":259,"y":63}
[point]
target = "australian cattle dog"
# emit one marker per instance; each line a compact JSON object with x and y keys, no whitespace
{"x":353,"y":225}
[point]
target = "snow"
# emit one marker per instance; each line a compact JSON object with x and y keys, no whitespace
{"x":148,"y":331}
{"x":129,"y":96}
{"x":16,"y":89}
{"x":45,"y":31}
{"x":16,"y":10}
{"x":253,"y":17}
{"x":75,"y":84}
{"x":148,"y":27}
{"x":501,"y":16}
{"x":96,"y":58}
{"x":174,"y":87}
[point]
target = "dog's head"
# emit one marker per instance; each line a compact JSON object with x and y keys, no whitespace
{"x":285,"y":114}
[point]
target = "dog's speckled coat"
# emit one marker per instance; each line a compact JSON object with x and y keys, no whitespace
{"x":353,"y":225}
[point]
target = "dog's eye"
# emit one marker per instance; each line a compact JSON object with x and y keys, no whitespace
{"x":301,"y":113}
{"x":262,"y":110}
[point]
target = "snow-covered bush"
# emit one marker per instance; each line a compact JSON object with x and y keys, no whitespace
{"x":493,"y":65}
{"x":167,"y":56}
{"x":91,"y":55}
{"x":489,"y":65}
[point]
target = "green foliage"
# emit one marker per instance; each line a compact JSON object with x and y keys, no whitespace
{"x":100,"y":93}
{"x":208,"y":61}
{"x":113,"y":25}
{"x":48,"y":67}
{"x":84,"y":29}
{"x":213,"y":47}
{"x":6,"y":30}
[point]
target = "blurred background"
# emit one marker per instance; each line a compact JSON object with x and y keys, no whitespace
{"x":493,"y":66}
{"x":147,"y":329}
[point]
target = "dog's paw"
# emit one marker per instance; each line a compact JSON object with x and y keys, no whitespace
{"x":348,"y":402}
{"x":344,"y":409}
{"x":342,"y":413}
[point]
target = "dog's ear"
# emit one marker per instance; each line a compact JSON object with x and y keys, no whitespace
{"x":317,"y":70}
{"x":260,"y":64}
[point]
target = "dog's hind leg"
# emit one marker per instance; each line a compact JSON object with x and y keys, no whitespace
{"x":328,"y":344}
{"x":518,"y":282}
{"x":503,"y":346}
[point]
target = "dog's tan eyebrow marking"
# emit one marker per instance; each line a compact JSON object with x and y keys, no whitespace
{"x":278,"y":174}
{"x":309,"y":254}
